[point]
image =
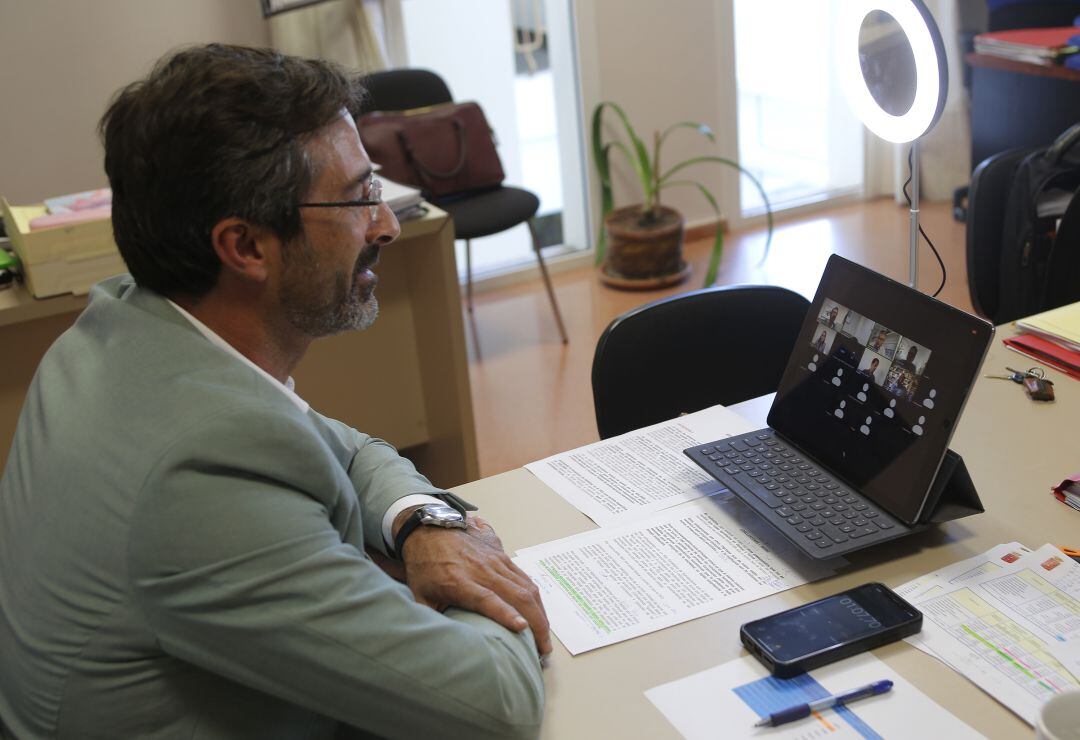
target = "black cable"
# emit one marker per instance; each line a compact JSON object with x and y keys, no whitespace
{"x":910,"y":166}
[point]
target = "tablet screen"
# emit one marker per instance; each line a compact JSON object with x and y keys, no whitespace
{"x":876,"y":383}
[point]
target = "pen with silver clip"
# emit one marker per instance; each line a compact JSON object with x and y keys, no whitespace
{"x":804,"y":710}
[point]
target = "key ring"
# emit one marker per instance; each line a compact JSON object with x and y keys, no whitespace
{"x":1032,"y":372}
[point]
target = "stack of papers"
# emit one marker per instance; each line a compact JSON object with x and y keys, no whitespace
{"x":673,"y":544}
{"x":1008,"y":620}
{"x":404,"y":200}
{"x":1051,"y":337}
{"x":1068,"y":492}
{"x":1059,"y":325}
{"x":1044,"y":46}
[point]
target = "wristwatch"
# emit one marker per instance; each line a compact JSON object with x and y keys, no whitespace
{"x":432,"y":515}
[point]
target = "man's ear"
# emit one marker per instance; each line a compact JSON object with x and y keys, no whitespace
{"x":244,"y":248}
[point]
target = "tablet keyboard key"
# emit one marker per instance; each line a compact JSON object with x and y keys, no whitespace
{"x":884,"y":524}
{"x":863,"y":531}
{"x":817,"y":521}
{"x":804,"y":527}
{"x":823,"y":543}
{"x":814,"y":535}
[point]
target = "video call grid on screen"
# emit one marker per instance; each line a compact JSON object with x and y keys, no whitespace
{"x":876,"y":383}
{"x":876,"y":354}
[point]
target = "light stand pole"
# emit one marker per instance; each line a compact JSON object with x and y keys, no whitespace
{"x":913,"y":258}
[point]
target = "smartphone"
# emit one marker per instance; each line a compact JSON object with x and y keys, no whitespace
{"x":830,"y":629}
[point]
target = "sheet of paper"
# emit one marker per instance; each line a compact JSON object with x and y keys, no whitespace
{"x":1014,"y":630}
{"x":727,"y":700}
{"x":614,"y":583}
{"x":993,"y":560}
{"x":640,"y":472}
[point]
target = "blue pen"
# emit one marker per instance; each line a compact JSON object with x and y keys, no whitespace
{"x":803,"y":710}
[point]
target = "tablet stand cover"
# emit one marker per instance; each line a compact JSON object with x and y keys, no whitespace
{"x":953,"y":494}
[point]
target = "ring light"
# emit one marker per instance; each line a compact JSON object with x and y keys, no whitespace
{"x":931,"y":83}
{"x":931,"y":71}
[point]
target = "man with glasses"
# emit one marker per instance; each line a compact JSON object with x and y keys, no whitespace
{"x":186,"y":548}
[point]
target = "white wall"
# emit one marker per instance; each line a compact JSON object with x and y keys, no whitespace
{"x":62,"y":60}
{"x":664,"y":62}
{"x":477,"y":64}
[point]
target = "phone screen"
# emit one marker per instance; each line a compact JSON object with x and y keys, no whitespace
{"x":839,"y":619}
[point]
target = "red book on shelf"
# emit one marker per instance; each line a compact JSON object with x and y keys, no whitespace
{"x":1047,"y":352}
{"x":1035,"y":38}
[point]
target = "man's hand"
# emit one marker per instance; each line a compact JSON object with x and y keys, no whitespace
{"x":469,"y":569}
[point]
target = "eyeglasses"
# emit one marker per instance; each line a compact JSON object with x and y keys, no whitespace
{"x":374,"y":200}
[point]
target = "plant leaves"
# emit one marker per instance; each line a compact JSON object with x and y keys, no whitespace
{"x":718,"y":241}
{"x":730,"y":163}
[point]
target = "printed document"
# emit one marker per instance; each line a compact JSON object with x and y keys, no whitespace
{"x":614,"y":583}
{"x":1013,"y":629}
{"x":640,"y":472}
{"x":727,"y":700}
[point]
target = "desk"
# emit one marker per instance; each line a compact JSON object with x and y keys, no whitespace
{"x":1016,"y":104}
{"x":1015,"y":450}
{"x":414,"y":355}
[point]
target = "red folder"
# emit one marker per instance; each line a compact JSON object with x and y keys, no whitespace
{"x":1045,"y":351}
{"x":1036,"y":38}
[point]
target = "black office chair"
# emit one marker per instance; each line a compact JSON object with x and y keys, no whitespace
{"x":475,"y":214}
{"x":991,"y":184}
{"x":691,"y":351}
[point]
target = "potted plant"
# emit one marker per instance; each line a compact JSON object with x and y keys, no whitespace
{"x":640,"y":246}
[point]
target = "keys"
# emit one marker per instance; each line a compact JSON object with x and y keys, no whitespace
{"x":1037,"y":387}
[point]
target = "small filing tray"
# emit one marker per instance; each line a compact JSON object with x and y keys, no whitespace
{"x":63,"y":259}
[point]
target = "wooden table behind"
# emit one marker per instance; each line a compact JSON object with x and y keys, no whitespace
{"x":405,"y":380}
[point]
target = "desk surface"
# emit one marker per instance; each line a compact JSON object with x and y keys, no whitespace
{"x":1015,"y":450}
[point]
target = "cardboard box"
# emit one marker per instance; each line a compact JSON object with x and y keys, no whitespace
{"x":64,"y":259}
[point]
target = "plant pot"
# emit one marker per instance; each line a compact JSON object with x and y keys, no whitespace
{"x":643,"y":256}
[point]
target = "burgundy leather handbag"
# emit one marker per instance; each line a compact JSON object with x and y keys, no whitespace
{"x":442,"y":150}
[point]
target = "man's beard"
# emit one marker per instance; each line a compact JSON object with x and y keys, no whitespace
{"x":321,"y":304}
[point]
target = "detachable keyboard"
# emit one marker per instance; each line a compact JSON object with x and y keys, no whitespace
{"x":816,"y":511}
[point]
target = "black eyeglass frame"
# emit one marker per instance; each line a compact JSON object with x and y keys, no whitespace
{"x":376,"y":188}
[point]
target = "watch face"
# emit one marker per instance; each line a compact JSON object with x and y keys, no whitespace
{"x":442,"y":515}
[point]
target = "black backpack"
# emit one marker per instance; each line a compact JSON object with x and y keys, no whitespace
{"x":1039,"y":266}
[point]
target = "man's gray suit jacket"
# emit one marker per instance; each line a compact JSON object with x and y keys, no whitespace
{"x":182,"y":555}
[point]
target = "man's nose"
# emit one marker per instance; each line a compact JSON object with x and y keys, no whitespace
{"x":384,"y":227}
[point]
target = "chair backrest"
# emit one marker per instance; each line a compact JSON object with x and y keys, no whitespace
{"x":695,"y":350}
{"x":987,"y":201}
{"x":402,"y":89}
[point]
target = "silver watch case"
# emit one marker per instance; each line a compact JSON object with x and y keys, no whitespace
{"x":442,"y":515}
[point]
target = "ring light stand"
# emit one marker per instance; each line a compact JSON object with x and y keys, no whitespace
{"x":931,"y":87}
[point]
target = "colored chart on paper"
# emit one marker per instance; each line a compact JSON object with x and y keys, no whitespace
{"x":772,"y":694}
{"x":1004,"y":646}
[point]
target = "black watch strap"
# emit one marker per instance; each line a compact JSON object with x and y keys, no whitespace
{"x":408,"y":527}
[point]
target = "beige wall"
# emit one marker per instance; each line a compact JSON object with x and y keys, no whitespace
{"x":663,"y":62}
{"x":61,"y":61}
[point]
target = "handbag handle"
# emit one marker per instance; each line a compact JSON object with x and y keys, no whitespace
{"x":424,"y":169}
{"x":1064,"y":143}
